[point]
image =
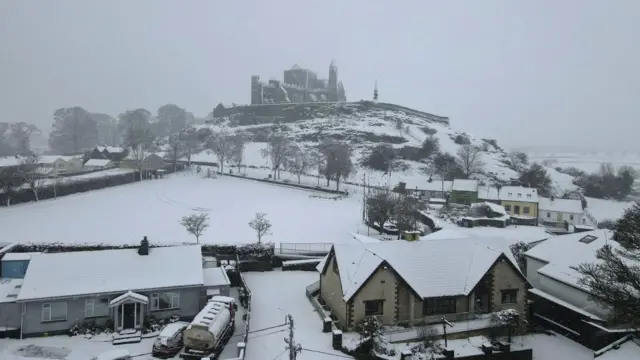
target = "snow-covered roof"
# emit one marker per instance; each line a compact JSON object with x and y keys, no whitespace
{"x":111,"y":271}
{"x":10,"y":161}
{"x":465,"y":185}
{"x":494,"y":207}
{"x":563,"y":252}
{"x":364,"y":239}
{"x":624,"y":349}
{"x":434,"y":185}
{"x":19,"y":256}
{"x":129,"y":295}
{"x":518,"y":193}
{"x":50,"y":159}
{"x":431,"y":268}
{"x":172,"y":328}
{"x":560,"y":205}
{"x":9,"y":289}
{"x":215,"y":276}
{"x":511,"y":234}
{"x":488,"y":193}
{"x":97,"y":162}
{"x":111,"y":149}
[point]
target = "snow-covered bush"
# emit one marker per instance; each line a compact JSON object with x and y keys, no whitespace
{"x":91,"y":328}
{"x":372,"y":337}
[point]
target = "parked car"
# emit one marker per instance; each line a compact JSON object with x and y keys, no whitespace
{"x":169,"y":341}
{"x":118,"y":354}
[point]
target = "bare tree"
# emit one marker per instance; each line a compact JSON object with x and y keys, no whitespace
{"x":32,"y":174}
{"x":195,"y":224}
{"x":176,"y":149}
{"x":10,"y":179}
{"x":276,"y":151}
{"x":470,"y":159}
{"x":298,"y":160}
{"x":380,"y":206}
{"x":222,"y":145}
{"x":237,"y":152}
{"x":191,"y":142}
{"x":261,"y":225}
{"x":137,"y":136}
{"x":337,"y":160}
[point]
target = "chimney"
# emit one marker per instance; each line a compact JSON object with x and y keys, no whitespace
{"x":144,"y":247}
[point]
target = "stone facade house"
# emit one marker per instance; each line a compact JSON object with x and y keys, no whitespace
{"x":413,"y":283}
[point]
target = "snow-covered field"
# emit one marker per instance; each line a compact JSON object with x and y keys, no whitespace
{"x":589,"y":162}
{"x":124,"y":214}
{"x":274,"y":295}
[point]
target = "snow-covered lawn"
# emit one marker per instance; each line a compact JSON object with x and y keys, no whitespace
{"x":275,"y":294}
{"x":124,"y":214}
{"x":603,"y":209}
{"x":67,"y":348}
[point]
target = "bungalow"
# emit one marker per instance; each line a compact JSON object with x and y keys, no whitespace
{"x":488,"y":194}
{"x":559,"y":211}
{"x":113,"y":153}
{"x":519,"y":200}
{"x":437,"y":189}
{"x":121,"y":286}
{"x":97,"y":164}
{"x":464,"y":192}
{"x":559,"y":300}
{"x":419,"y":282}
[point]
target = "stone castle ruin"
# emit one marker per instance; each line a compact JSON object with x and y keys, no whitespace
{"x":299,"y":86}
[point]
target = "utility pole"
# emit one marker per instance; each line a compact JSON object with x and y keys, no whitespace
{"x":294,"y":349}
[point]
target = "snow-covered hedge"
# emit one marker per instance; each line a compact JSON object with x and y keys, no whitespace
{"x":262,"y":251}
{"x":301,"y":265}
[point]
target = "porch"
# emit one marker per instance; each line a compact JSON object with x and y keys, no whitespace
{"x":128,"y":312}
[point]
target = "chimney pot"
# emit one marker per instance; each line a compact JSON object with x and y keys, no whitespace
{"x":143,"y":250}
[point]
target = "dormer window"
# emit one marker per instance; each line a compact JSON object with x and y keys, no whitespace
{"x":510,"y":194}
{"x":519,"y":195}
{"x":528,"y":196}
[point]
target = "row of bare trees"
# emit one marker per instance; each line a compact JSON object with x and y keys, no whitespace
{"x":330,"y":160}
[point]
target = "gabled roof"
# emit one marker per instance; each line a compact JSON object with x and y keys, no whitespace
{"x":563,"y":252}
{"x":571,"y":206}
{"x":97,"y":162}
{"x":465,"y":185}
{"x":111,"y":271}
{"x":518,"y":193}
{"x":432,"y":268}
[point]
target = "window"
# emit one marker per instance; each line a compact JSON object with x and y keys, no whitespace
{"x":96,"y":307}
{"x":439,"y":306}
{"x":525,"y":210}
{"x":56,"y":311}
{"x":588,"y":239}
{"x":165,"y":301}
{"x":519,"y":195}
{"x":507,"y":207}
{"x":516,"y":209}
{"x":509,"y":296}
{"x":373,"y":307}
{"x":528,"y":196}
{"x":548,"y":214}
{"x":510,"y":194}
{"x":570,"y":217}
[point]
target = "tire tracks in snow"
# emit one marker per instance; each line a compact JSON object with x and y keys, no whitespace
{"x":162,"y":196}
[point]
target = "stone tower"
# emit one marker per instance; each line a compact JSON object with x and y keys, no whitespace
{"x":332,"y":91}
{"x":256,"y":90}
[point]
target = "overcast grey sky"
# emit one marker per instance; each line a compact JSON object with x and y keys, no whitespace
{"x":536,"y":72}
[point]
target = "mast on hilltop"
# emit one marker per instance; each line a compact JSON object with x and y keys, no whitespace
{"x":375,"y":92}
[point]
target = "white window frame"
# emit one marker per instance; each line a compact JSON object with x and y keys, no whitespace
{"x":89,"y":303}
{"x":174,"y":300}
{"x":49,"y":306}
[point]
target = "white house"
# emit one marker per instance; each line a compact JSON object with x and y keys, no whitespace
{"x":559,"y":300}
{"x":94,"y":164}
{"x":552,"y":210}
{"x":60,"y":163}
{"x":427,"y":190}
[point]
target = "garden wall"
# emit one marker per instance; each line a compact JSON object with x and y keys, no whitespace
{"x":299,"y":186}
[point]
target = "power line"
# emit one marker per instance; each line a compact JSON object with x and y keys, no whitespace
{"x":259,"y":330}
{"x":278,"y":356}
{"x":327,"y":353}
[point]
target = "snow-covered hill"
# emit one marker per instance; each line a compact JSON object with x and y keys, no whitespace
{"x":363,"y":125}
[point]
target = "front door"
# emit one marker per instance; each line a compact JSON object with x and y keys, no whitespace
{"x":128,"y":316}
{"x":516,"y":210}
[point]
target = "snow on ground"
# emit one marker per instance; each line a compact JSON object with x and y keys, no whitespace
{"x":153,"y":208}
{"x":275,"y":294}
{"x":545,"y":347}
{"x":603,"y":209}
{"x":75,"y":348}
{"x":561,"y":182}
{"x":585,"y":161}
